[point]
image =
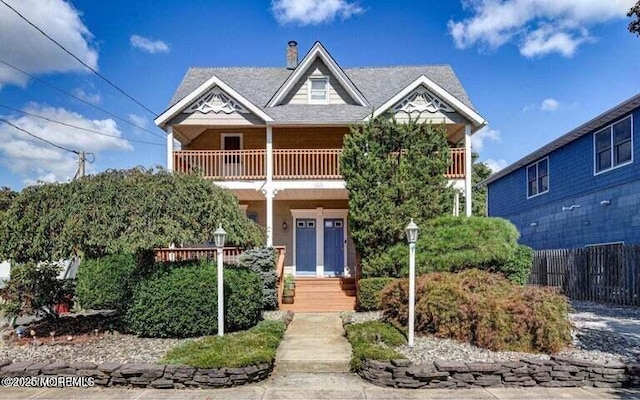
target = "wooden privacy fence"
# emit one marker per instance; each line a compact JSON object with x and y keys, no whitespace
{"x":604,"y":274}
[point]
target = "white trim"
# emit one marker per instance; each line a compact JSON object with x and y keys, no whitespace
{"x":170,"y":148}
{"x":320,"y":214}
{"x":604,"y":244}
{"x":595,"y":150}
{"x":448,"y":98}
{"x":324,"y":78}
{"x":526,"y":173}
{"x":317,"y":51}
{"x":226,"y":135}
{"x":468,"y":172}
{"x":174,"y":110}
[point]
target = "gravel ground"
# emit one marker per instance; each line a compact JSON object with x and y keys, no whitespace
{"x":106,"y":347}
{"x":601,"y":334}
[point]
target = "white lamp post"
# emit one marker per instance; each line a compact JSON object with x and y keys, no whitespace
{"x":412,"y":236}
{"x":219,"y":237}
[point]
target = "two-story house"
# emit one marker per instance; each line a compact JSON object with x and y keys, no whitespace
{"x":582,"y":189}
{"x":274,"y":136}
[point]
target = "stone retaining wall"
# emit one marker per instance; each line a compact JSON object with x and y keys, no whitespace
{"x":143,"y":375}
{"x":557,"y":372}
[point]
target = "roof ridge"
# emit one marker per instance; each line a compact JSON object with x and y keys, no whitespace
{"x":400,"y":66}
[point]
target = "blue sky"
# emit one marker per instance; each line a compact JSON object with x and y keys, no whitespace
{"x":533,"y":68}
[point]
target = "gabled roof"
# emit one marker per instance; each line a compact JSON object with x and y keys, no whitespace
{"x":317,"y":52}
{"x":584,"y":129}
{"x":452,"y":101}
{"x":201,"y":90}
{"x":260,"y":87}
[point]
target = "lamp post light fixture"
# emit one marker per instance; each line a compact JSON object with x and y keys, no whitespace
{"x":219,"y":237}
{"x":412,"y":237}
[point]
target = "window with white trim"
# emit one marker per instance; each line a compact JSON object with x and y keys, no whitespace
{"x":613,"y":146}
{"x":538,"y":178}
{"x":319,"y":89}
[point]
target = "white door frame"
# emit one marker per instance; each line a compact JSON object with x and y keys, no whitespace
{"x":320,"y":214}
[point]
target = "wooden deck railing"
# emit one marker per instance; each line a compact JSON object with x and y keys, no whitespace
{"x":287,"y":164}
{"x":230,"y":254}
{"x":456,"y":168}
{"x":307,"y":164}
{"x":222,"y":164}
{"x":280,"y":271}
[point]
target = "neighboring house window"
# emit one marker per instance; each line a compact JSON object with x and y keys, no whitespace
{"x":319,"y":90}
{"x":253,"y":216}
{"x":538,"y":178}
{"x":613,"y":146}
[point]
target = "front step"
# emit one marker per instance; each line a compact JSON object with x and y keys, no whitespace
{"x":323,"y":295}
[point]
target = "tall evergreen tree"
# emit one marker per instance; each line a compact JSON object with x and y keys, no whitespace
{"x":393,"y":171}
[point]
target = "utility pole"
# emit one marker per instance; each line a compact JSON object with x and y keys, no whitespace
{"x":81,"y":165}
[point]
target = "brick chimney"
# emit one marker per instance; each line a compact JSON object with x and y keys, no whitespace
{"x":292,"y":54}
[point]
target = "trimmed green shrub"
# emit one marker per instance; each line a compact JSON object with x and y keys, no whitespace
{"x":484,"y":309}
{"x":369,"y":293}
{"x":262,"y":260}
{"x":240,"y":349}
{"x":107,"y":282}
{"x":452,"y":244}
{"x":372,"y":340}
{"x":183,"y":302}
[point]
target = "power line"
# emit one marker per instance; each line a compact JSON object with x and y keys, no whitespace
{"x":51,"y":85}
{"x":79,"y":60}
{"x":78,"y":127}
{"x":38,"y":137}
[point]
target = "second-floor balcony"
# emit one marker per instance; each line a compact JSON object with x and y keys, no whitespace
{"x":288,"y":164}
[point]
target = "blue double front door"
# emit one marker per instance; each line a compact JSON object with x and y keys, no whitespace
{"x":306,"y":249}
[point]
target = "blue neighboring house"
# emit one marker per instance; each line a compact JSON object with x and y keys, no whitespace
{"x":582,"y":189}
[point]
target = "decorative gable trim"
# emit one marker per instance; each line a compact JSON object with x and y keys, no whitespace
{"x":420,"y":100}
{"x":317,"y":51}
{"x":201,"y":93}
{"x":412,"y":96}
{"x":216,"y":101}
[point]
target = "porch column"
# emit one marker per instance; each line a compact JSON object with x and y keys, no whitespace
{"x":170,"y":148}
{"x":467,"y":170}
{"x":269,"y":193}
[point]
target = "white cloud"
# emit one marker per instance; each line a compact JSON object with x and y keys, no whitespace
{"x":138,"y":120}
{"x":549,"y":105}
{"x":148,"y":45}
{"x":93,"y":98}
{"x":35,"y":160}
{"x":495,"y":165}
{"x":28,"y":49}
{"x":478,"y":138}
{"x":313,"y":12}
{"x":539,"y":27}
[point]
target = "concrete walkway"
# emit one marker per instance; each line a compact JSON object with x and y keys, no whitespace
{"x":313,"y":342}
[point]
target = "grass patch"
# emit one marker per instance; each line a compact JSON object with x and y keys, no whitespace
{"x":234,"y":350}
{"x":373,"y":340}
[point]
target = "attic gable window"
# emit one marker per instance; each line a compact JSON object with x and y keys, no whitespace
{"x":319,"y":90}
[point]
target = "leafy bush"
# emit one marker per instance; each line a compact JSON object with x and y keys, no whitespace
{"x":183,"y":302}
{"x":34,"y":289}
{"x":107,"y":282}
{"x":372,"y":340}
{"x":483,"y":309}
{"x":120,"y":211}
{"x":262,"y":260}
{"x":452,"y":244}
{"x":518,"y":267}
{"x":240,"y":349}
{"x":369,"y":293}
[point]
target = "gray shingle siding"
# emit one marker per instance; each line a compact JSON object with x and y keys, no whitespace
{"x":377,"y":85}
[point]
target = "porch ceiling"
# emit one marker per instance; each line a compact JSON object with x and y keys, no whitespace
{"x":293,"y":194}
